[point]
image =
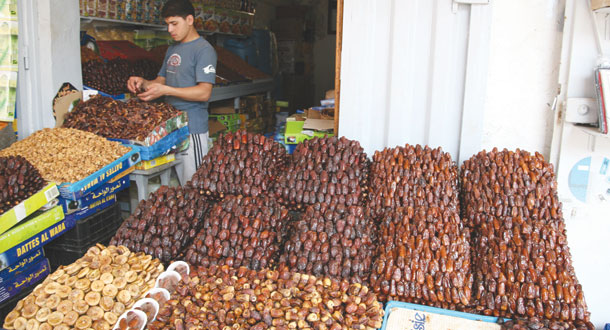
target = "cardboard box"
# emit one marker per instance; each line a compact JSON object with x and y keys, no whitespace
{"x":597,"y":4}
{"x":148,"y":164}
{"x":111,"y":188}
{"x":13,"y":216}
{"x":167,"y":143}
{"x":32,"y":275}
{"x":94,"y":181}
{"x":10,"y":271}
{"x":295,"y":133}
{"x":226,"y":110}
{"x":30,"y":227}
{"x":98,"y":205}
{"x":399,"y":314}
{"x":29,"y":246}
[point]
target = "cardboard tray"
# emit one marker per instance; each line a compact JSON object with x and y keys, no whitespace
{"x":24,"y":280}
{"x":29,"y":228}
{"x":13,"y":216}
{"x":163,"y":146}
{"x":162,"y":130}
{"x":118,"y":97}
{"x":110,"y":188}
{"x":27,"y":247}
{"x":94,"y":181}
{"x":20,"y":266}
{"x":295,"y":133}
{"x":100,"y":204}
{"x":148,"y":164}
{"x":400,"y":316}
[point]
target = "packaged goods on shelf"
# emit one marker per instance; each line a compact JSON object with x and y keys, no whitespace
{"x":340,"y":169}
{"x":240,"y":163}
{"x":510,"y":201}
{"x":8,"y":84}
{"x":148,"y":164}
{"x":93,"y":299}
{"x":14,"y":286}
{"x":255,"y":226}
{"x":165,"y":223}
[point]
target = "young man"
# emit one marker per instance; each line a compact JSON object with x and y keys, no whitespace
{"x":186,"y":79}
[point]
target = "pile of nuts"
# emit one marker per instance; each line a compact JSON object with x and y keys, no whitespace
{"x":239,"y":163}
{"x":18,"y":181}
{"x":331,"y":240}
{"x":324,"y":170}
{"x":66,"y":154}
{"x":225,"y":297}
{"x":425,"y":255}
{"x":240,"y":231}
{"x":132,"y":120}
{"x":542,"y":324}
{"x":90,"y":293}
{"x":111,"y":77}
{"x":521,"y":259}
{"x":164,"y":224}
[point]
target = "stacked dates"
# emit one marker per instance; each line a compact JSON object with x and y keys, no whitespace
{"x":18,"y":181}
{"x":521,"y":255}
{"x":324,"y":170}
{"x":240,"y":231}
{"x":132,"y":120}
{"x":425,"y":255}
{"x":240,"y":163}
{"x":331,"y":240}
{"x":225,"y":298}
{"x":164,"y":224}
{"x":110,"y":77}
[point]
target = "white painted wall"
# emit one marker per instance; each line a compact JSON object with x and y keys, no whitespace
{"x":49,"y":55}
{"x":523,"y":73}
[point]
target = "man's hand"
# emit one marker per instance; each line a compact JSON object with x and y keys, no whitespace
{"x":135,"y":84}
{"x":153,"y":91}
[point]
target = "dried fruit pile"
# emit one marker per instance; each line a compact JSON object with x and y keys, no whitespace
{"x":18,"y":181}
{"x":132,"y":120}
{"x":224,"y":297}
{"x":164,"y":224}
{"x":66,"y":154}
{"x":331,"y":240}
{"x":324,"y":170}
{"x":90,"y":293}
{"x":240,"y":231}
{"x":239,"y":163}
{"x":425,"y":255}
{"x":542,"y":324}
{"x":522,"y":262}
{"x":111,"y":77}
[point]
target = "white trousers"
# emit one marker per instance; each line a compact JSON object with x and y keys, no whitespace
{"x":192,"y":157}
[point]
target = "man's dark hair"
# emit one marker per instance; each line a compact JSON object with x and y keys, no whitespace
{"x":181,"y":8}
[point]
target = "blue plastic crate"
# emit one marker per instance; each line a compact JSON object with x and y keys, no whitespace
{"x":607,"y":327}
{"x":393,"y":306}
{"x":161,"y":147}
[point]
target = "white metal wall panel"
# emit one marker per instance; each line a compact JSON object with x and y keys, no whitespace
{"x":403,"y":73}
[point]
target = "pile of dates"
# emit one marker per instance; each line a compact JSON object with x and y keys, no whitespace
{"x":164,"y":224}
{"x":240,"y":231}
{"x":521,"y":259}
{"x":18,"y":181}
{"x":331,"y":240}
{"x":424,"y":255}
{"x":132,"y":120}
{"x":229,"y":298}
{"x":412,"y":176}
{"x":111,"y":77}
{"x":542,"y":324}
{"x":324,"y":170}
{"x":506,"y":183}
{"x":239,"y":163}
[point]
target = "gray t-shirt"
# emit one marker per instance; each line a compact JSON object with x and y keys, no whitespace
{"x":185,"y":65}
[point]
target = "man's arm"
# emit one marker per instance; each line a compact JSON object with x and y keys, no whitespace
{"x":200,"y":92}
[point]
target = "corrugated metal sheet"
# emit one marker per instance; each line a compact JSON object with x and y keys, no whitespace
{"x":405,"y":71}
